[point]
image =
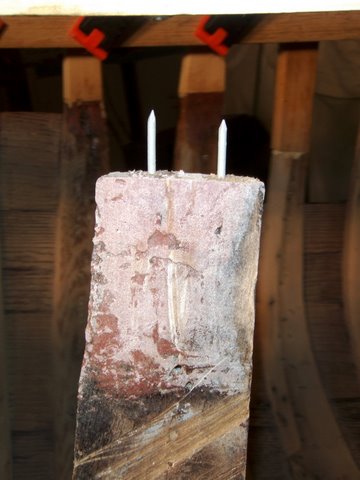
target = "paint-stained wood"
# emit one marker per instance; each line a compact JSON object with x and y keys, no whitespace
{"x":83,"y":159}
{"x":35,"y":32}
{"x":201,"y":88}
{"x":29,"y":148}
{"x":351,"y":262}
{"x":164,"y":388}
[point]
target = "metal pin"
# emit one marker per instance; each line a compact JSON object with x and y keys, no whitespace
{"x":151,"y":143}
{"x":221,"y":159}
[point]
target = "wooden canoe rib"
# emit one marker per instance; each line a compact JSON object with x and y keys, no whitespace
{"x":307,"y":425}
{"x":351,"y":262}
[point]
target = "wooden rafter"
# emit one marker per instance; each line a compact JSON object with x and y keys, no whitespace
{"x":34,"y":32}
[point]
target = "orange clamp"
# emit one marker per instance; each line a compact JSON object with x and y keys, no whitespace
{"x":89,"y":41}
{"x":214,"y":40}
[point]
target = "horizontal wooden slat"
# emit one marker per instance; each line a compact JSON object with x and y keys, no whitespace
{"x":27,"y":238}
{"x":29,"y":146}
{"x":27,"y":290}
{"x":323,"y":230}
{"x":330,"y":345}
{"x":33,"y":455}
{"x":322,"y":278}
{"x":35,"y":32}
{"x":30,"y":370}
{"x":164,"y":7}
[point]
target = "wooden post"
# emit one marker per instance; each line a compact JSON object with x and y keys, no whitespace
{"x":165,"y":383}
{"x":5,"y":432}
{"x":351,"y":260}
{"x":304,"y":417}
{"x":201,"y":88}
{"x":83,"y":159}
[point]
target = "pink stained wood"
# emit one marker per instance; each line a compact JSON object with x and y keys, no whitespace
{"x":170,"y":326}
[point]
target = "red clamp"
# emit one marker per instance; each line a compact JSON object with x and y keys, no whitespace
{"x":222,"y":31}
{"x":91,"y":41}
{"x":216,"y":39}
{"x":100,"y":34}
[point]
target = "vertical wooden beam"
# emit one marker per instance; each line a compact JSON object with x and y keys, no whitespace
{"x":83,"y":159}
{"x":201,"y":88}
{"x":351,"y":260}
{"x":5,"y":435}
{"x":310,"y":434}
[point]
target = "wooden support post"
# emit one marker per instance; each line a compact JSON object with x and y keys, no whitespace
{"x":5,"y":432}
{"x":351,"y":260}
{"x":165,"y":384}
{"x":83,"y":159}
{"x":310,"y":434}
{"x":201,"y":88}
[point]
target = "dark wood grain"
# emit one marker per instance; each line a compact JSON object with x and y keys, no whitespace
{"x":29,"y":147}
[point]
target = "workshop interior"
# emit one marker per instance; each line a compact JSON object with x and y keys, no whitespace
{"x":70,"y":114}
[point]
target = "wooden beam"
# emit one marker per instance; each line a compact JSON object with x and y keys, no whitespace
{"x":163,"y":7}
{"x":165,"y":380}
{"x":294,"y":89}
{"x":52,"y":32}
{"x":351,"y":262}
{"x":83,"y":159}
{"x":309,"y":431}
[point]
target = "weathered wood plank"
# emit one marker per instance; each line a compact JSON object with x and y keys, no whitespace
{"x":35,"y":32}
{"x":166,"y":371}
{"x":83,"y":159}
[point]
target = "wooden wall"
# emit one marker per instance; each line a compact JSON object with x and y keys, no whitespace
{"x":29,"y":152}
